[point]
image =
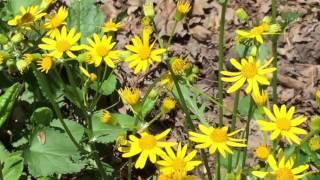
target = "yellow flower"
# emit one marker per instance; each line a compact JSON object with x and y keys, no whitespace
{"x":178,"y":164}
{"x":283,"y":170}
{"x":260,"y":99}
{"x":168,"y":104}
{"x":1,"y":59}
{"x":182,"y":9}
{"x":106,"y":117}
{"x":144,"y":55}
{"x":130,"y":96}
{"x":216,"y":138}
{"x":28,"y":58}
{"x":174,"y":177}
{"x":111,"y":26}
{"x":258,"y":31}
{"x":282,"y":123}
{"x":91,"y":76}
{"x":56,"y":21}
{"x":63,"y":42}
{"x":314,"y":143}
{"x":262,"y":152}
{"x":167,"y":81}
{"x":102,"y":49}
{"x":179,"y":65}
{"x":250,"y":71}
{"x":27,"y":18}
{"x":148,"y":146}
{"x":45,"y":64}
{"x":318,"y":96}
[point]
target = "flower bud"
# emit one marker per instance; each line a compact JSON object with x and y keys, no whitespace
{"x":167,"y":105}
{"x":315,"y":123}
{"x":3,"y":56}
{"x":314,"y":143}
{"x":182,"y":9}
{"x":22,"y":65}
{"x":267,"y":19}
{"x":153,"y":94}
{"x":106,"y":117}
{"x":17,"y":38}
{"x":242,"y":15}
{"x":148,"y":9}
{"x":275,"y":28}
{"x":3,"y":39}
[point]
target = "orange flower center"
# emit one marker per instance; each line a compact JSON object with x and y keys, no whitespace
{"x":27,"y":18}
{"x":249,"y":70}
{"x":147,"y":142}
{"x":144,"y":53}
{"x":283,"y":124}
{"x":102,"y":50}
{"x":218,"y":135}
{"x":178,"y":164}
{"x":284,"y":174}
{"x":63,"y":45}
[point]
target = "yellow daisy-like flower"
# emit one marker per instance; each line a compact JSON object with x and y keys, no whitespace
{"x":283,"y":170}
{"x":262,"y":152}
{"x":179,"y":66}
{"x":148,"y":146}
{"x":183,"y":7}
{"x":178,"y":164}
{"x":62,"y":43}
{"x":260,"y":98}
{"x":216,"y":138}
{"x":56,"y":21}
{"x":250,"y":71}
{"x":28,"y":17}
{"x":168,"y":104}
{"x":144,"y":55}
{"x":102,"y":49}
{"x":111,"y":26}
{"x":282,"y":123}
{"x":130,"y":96}
{"x":258,"y":32}
{"x":91,"y":76}
{"x":45,"y":64}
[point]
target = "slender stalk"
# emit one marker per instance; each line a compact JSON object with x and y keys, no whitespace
{"x":275,"y":54}
{"x":233,"y":124}
{"x":221,"y":58}
{"x":218,"y":174}
{"x":129,"y":169}
{"x":172,"y":33}
{"x":250,"y":114}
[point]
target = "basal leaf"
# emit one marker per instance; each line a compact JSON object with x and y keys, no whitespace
{"x":76,"y":129}
{"x":42,"y":115}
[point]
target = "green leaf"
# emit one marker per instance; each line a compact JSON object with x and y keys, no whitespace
{"x":42,"y":115}
{"x":288,"y":17}
{"x":105,"y":133}
{"x":125,"y":121}
{"x":86,"y":14}
{"x":108,"y":85}
{"x":14,"y":5}
{"x":147,"y":106}
{"x":56,"y":155}
{"x":76,"y":129}
{"x":263,"y":52}
{"x":13,"y":167}
{"x":69,"y":92}
{"x":4,"y":153}
{"x":7,"y":101}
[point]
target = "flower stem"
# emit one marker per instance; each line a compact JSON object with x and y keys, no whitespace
{"x":129,"y":169}
{"x":250,"y":114}
{"x":233,"y":124}
{"x":274,"y":54}
{"x":172,"y":33}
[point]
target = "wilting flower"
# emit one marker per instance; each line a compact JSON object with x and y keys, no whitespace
{"x":260,"y":98}
{"x":262,"y":152}
{"x":216,"y":139}
{"x":27,"y":17}
{"x":250,"y":71}
{"x":283,"y":169}
{"x":144,"y":55}
{"x":178,"y":164}
{"x":101,"y":49}
{"x":148,"y":146}
{"x":55,"y":21}
{"x":168,"y":104}
{"x":130,"y":96}
{"x":45,"y":64}
{"x":282,"y":123}
{"x":63,"y":42}
{"x":91,"y":76}
{"x":111,"y":26}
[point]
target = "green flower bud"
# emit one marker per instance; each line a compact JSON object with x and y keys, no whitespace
{"x":22,"y":65}
{"x":148,"y":9}
{"x":3,"y":39}
{"x":275,"y":28}
{"x":314,"y":143}
{"x":267,"y":19}
{"x":315,"y":123}
{"x":17,"y":38}
{"x":3,"y":56}
{"x":153,"y":94}
{"x":242,"y":14}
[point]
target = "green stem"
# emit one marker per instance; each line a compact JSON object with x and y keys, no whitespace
{"x":275,"y":54}
{"x":218,"y":174}
{"x":172,"y":32}
{"x":129,"y":169}
{"x":250,"y":114}
{"x":233,"y":124}
{"x":221,"y":58}
{"x":98,"y":162}
{"x":150,"y":122}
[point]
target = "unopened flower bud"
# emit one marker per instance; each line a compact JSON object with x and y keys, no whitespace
{"x":168,"y":104}
{"x":153,"y":94}
{"x":267,"y":19}
{"x":315,"y":123}
{"x":17,"y":38}
{"x":242,"y":14}
{"x":22,"y":65}
{"x":314,"y":143}
{"x":3,"y":39}
{"x":148,"y":9}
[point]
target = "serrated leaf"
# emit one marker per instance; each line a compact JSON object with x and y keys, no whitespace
{"x":105,"y":133}
{"x":108,"y":85}
{"x":7,"y":101}
{"x":13,"y":167}
{"x":58,"y":155}
{"x":42,"y":115}
{"x":91,"y":17}
{"x":76,"y":129}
